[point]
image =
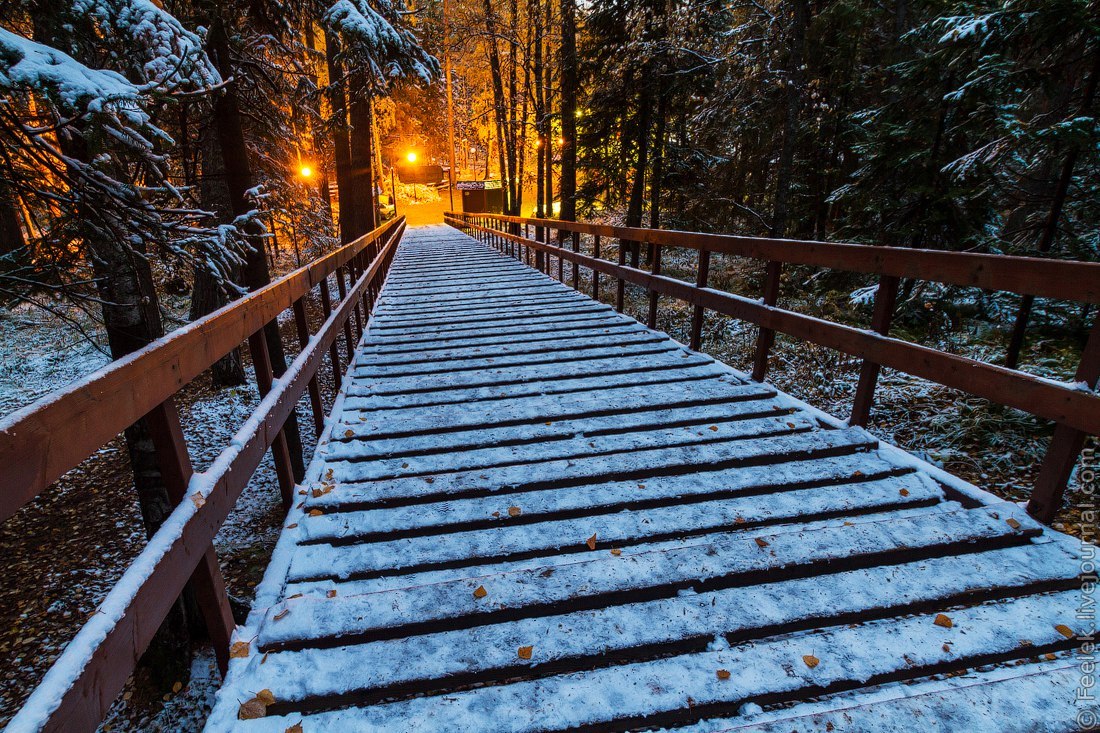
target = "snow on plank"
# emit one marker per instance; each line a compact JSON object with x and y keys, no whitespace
{"x":622,"y":528}
{"x":729,"y":562}
{"x":522,"y":508}
{"x":612,"y":635}
{"x":640,"y":464}
{"x":575,"y":399}
{"x":654,"y":692}
{"x":350,"y":467}
{"x":1033,"y":698}
{"x":353,"y":447}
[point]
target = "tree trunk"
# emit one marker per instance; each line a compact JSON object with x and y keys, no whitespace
{"x":568,"y":55}
{"x":535,"y":13}
{"x":341,"y":146}
{"x":13,"y":245}
{"x":658,"y":161}
{"x":781,"y":210}
{"x":505,"y":153}
{"x":238,"y":178}
{"x":207,"y":294}
{"x":361,"y":175}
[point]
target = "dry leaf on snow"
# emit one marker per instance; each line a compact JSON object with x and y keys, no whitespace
{"x":525,"y":652}
{"x":943,"y":620}
{"x":723,"y":674}
{"x":514,"y":511}
{"x":591,"y":542}
{"x":252,"y":709}
{"x":239,"y":650}
{"x":480,"y":592}
{"x":810,"y":660}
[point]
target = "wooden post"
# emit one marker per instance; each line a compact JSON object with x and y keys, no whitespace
{"x":885,"y":302}
{"x":576,"y":267}
{"x":206,"y":581}
{"x":343,"y":291}
{"x":261,"y":360}
{"x":766,"y":337}
{"x":350,"y":270}
{"x":596,"y":273}
{"x":301,"y":322}
{"x":1066,"y":445}
{"x":561,"y":260}
{"x":333,"y":352}
{"x":655,"y":268}
{"x":620,"y":288}
{"x":701,"y":276}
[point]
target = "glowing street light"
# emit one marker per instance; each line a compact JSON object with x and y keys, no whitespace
{"x":411,"y":157}
{"x":305,"y":171}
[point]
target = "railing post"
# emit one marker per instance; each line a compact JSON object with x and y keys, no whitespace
{"x":885,"y":302}
{"x":655,"y":268}
{"x":620,"y":288}
{"x":1066,"y":445}
{"x":206,"y":581}
{"x":342,"y":290}
{"x":561,"y":260}
{"x":701,"y":276}
{"x":766,"y":337}
{"x":596,"y":273}
{"x":333,"y":351}
{"x":280,"y":454}
{"x":576,"y":266}
{"x":301,"y":322}
{"x":540,"y":256}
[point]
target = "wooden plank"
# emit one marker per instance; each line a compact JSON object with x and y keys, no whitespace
{"x":612,"y":635}
{"x":732,"y":561}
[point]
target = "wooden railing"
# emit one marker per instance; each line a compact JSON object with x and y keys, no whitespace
{"x":1074,"y":407}
{"x":41,"y":442}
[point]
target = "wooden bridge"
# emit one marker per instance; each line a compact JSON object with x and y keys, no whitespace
{"x":529,"y":512}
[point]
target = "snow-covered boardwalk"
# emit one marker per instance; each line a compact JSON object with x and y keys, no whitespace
{"x":531,"y":513}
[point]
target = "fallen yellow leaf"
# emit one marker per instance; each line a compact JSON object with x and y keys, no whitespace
{"x":514,"y":511}
{"x":265,"y":697}
{"x":525,"y":652}
{"x":810,"y":660}
{"x":296,"y":728}
{"x":591,"y":542}
{"x":616,"y":551}
{"x":348,"y":433}
{"x":281,"y":614}
{"x":252,"y":709}
{"x":723,"y":674}
{"x":904,"y":492}
{"x":943,"y":620}
{"x":315,"y":512}
{"x":198,"y":499}
{"x":331,"y":594}
{"x":714,"y":428}
{"x":177,"y":686}
{"x":761,"y":543}
{"x":1012,"y":523}
{"x":1065,"y":631}
{"x":239,"y":650}
{"x":480,"y":592}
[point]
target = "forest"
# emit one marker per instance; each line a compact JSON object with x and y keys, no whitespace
{"x":163,"y":158}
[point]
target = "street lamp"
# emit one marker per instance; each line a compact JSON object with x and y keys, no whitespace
{"x":411,"y":156}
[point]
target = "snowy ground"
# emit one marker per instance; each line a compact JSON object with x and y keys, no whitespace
{"x":71,"y":571}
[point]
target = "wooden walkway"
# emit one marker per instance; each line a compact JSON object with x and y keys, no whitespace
{"x":534,"y":514}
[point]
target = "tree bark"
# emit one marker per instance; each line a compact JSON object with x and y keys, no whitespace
{"x":238,"y":178}
{"x":361,"y":174}
{"x":13,"y":245}
{"x":568,"y":55}
{"x":784,"y":171}
{"x":341,"y":146}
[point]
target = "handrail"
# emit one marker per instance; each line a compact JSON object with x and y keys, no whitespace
{"x":80,"y":687}
{"x":1042,"y":278}
{"x":1074,"y":407}
{"x":42,"y":441}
